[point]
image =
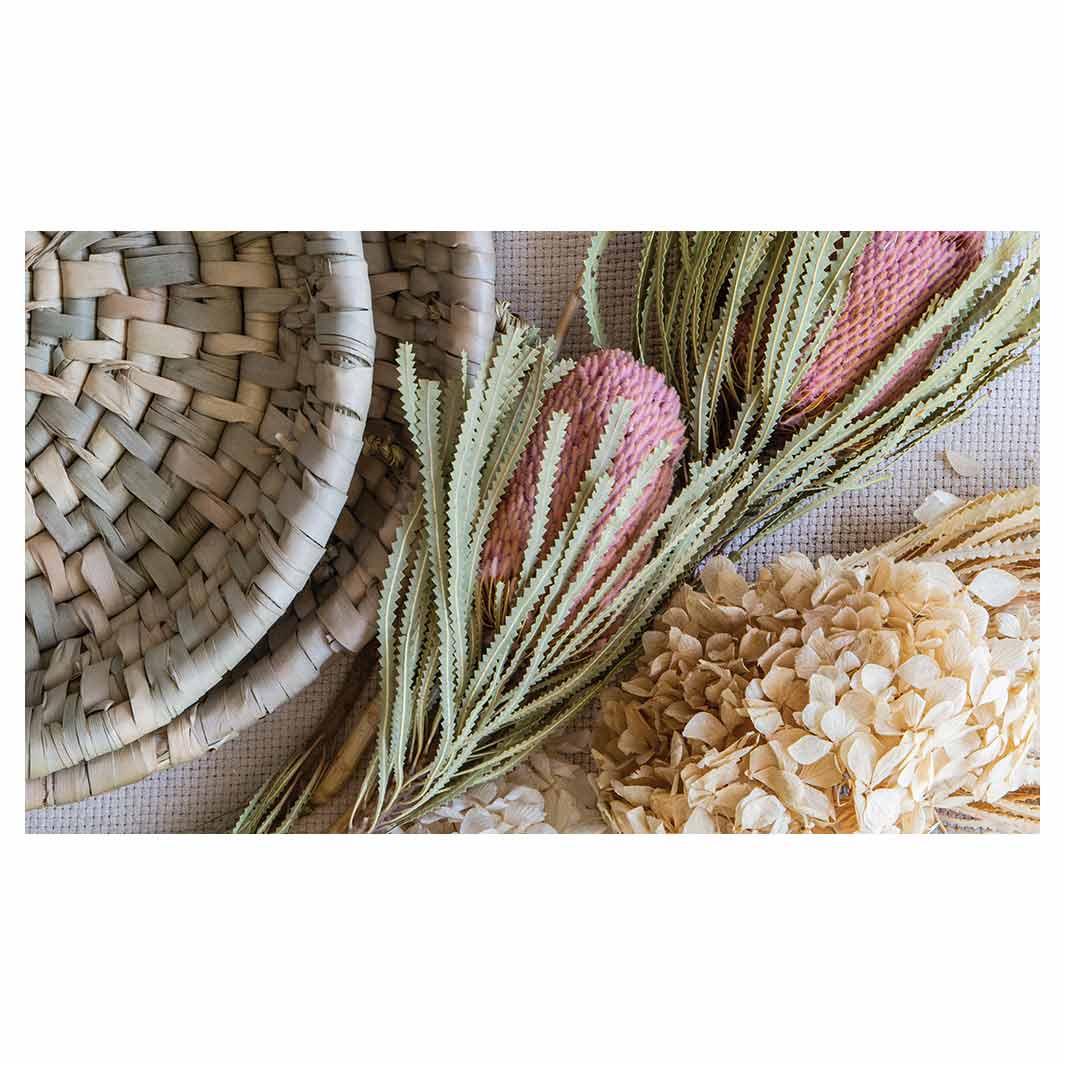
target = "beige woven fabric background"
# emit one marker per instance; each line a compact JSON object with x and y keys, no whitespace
{"x":536,"y":272}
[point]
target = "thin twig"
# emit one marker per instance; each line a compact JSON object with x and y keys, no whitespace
{"x":572,"y":306}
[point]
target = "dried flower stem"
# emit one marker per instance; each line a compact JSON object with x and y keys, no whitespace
{"x":345,"y":761}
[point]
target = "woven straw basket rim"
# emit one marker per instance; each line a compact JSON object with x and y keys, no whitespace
{"x":436,"y":290}
{"x":195,"y":405}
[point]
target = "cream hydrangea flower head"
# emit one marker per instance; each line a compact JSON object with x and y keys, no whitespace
{"x":827,"y":697}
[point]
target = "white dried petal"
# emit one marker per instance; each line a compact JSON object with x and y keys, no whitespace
{"x":996,"y":693}
{"x":762,"y":758}
{"x":766,"y":719}
{"x":636,"y":820}
{"x":824,"y":773}
{"x":700,"y":822}
{"x":995,"y":586}
{"x":809,"y":749}
{"x":919,"y":671}
{"x":654,"y":642}
{"x":892,"y":759}
{"x":883,"y":807}
{"x":722,"y":580}
{"x":482,"y":793}
{"x":777,"y":683}
{"x":522,"y":815}
{"x":822,"y":690}
{"x":634,"y":794}
{"x":946,"y":689}
{"x":705,"y":727}
{"x":759,"y":811}
{"x":479,"y":820}
{"x":907,"y":710}
{"x":860,"y":753}
{"x":837,"y":724}
{"x":1008,"y":656}
{"x":936,"y":505}
{"x":860,"y":705}
{"x":875,"y":678}
{"x":688,"y":647}
{"x":796,"y":795}
{"x":963,"y":465}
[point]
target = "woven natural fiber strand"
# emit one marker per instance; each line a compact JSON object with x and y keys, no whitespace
{"x":195,"y":406}
{"x":536,"y":272}
{"x":436,"y":291}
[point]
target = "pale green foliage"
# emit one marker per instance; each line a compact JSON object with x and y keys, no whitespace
{"x":479,"y":697}
{"x":691,"y":289}
{"x":590,"y":287}
{"x":276,"y":806}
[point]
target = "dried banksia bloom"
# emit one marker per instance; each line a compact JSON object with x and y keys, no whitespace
{"x":465,"y":698}
{"x":806,"y":361}
{"x":893,"y":283}
{"x":587,"y":395}
{"x":832,"y":697}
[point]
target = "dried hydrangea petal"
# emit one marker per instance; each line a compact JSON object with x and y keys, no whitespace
{"x":995,"y":586}
{"x":919,"y":671}
{"x":809,"y":749}
{"x":936,"y":504}
{"x":963,"y":465}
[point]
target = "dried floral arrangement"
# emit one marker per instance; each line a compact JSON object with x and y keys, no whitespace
{"x":997,"y":536}
{"x":540,"y":544}
{"x":879,"y":693}
{"x":803,"y":361}
{"x":808,"y":361}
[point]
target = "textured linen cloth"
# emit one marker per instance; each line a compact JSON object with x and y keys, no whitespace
{"x":536,"y":272}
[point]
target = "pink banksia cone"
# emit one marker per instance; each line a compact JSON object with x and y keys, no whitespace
{"x":587,"y":394}
{"x":892,"y":284}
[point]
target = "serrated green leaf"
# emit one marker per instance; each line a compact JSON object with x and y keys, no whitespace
{"x":590,"y":287}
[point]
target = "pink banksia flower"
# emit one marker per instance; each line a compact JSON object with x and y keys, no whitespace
{"x":587,"y":394}
{"x":893,"y":283}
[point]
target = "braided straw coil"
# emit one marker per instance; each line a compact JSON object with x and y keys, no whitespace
{"x":195,"y":405}
{"x":436,"y":290}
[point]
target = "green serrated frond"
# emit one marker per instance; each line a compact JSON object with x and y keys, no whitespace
{"x":416,"y":609}
{"x":590,"y":287}
{"x":408,"y":391}
{"x":500,"y":470}
{"x":717,"y":360}
{"x":547,"y":475}
{"x":642,"y":303}
{"x":435,"y":494}
{"x":388,"y":605}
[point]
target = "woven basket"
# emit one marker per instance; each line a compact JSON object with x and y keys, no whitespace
{"x":437,"y":291}
{"x":195,"y":405}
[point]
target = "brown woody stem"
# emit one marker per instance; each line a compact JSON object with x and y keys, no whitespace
{"x":347,"y":757}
